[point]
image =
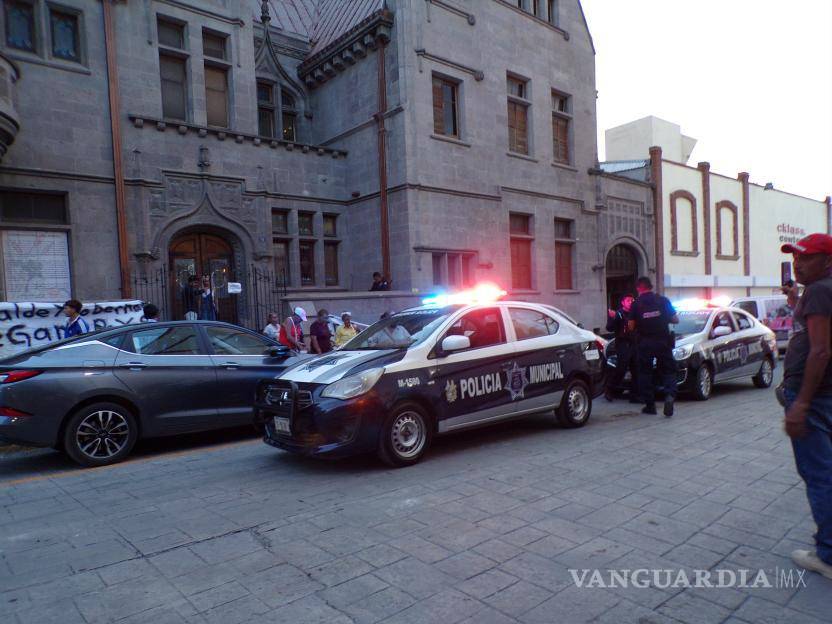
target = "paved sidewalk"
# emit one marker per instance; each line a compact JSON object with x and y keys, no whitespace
{"x":484,"y":531}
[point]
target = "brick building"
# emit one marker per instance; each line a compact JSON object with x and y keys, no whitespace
{"x":296,"y":146}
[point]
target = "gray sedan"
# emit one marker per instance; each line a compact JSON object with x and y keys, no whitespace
{"x":94,"y":395}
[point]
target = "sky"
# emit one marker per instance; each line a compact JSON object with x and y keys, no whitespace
{"x":751,"y":80}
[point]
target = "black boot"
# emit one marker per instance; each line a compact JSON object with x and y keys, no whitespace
{"x":668,"y":406}
{"x":650,"y":408}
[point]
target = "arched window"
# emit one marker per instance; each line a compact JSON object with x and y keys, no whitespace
{"x":727,"y":231}
{"x":684,"y":227}
{"x":290,"y":115}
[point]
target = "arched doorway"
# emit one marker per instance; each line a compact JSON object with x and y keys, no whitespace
{"x":621,"y":272}
{"x":201,"y":253}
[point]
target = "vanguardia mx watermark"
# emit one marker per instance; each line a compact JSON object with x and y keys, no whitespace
{"x":666,"y":578}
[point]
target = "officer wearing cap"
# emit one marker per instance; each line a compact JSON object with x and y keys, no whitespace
{"x":807,"y":391}
{"x":649,"y":319}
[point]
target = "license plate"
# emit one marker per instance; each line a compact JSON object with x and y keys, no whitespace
{"x":281,"y":425}
{"x":592,"y":354}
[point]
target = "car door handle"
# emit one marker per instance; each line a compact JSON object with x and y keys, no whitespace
{"x":134,"y":365}
{"x":230,"y":365}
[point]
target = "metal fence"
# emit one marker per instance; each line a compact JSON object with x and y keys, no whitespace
{"x":263,"y":292}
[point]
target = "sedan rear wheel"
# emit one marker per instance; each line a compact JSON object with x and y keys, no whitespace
{"x":100,"y":434}
{"x":575,"y":406}
{"x":765,"y":375}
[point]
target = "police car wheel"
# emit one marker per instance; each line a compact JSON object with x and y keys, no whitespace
{"x":704,"y":384}
{"x":100,"y":434}
{"x":575,"y":406}
{"x":765,"y":375}
{"x":405,"y":436}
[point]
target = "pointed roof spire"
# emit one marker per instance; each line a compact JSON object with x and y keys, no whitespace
{"x":264,"y":13}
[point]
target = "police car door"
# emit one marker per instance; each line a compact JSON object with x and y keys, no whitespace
{"x":471,"y":382}
{"x":750,"y":340}
{"x":543,"y":354}
{"x":725,"y":348}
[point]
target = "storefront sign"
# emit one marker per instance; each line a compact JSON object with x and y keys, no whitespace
{"x":789,"y":233}
{"x":31,"y":324}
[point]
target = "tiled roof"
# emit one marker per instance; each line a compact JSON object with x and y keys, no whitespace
{"x":319,"y":21}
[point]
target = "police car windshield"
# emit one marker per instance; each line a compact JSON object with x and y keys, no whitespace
{"x":691,"y":322}
{"x":400,"y":331}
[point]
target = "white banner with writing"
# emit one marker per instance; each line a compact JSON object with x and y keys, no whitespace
{"x":24,"y":325}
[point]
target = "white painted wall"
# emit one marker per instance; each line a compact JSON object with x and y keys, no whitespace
{"x":632,"y":141}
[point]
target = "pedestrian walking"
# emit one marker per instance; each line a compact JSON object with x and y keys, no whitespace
{"x":346,"y":332}
{"x":807,"y":391}
{"x":650,"y":317}
{"x":618,"y":322}
{"x":272,"y":328}
{"x":320,"y":334}
{"x":151,"y":313}
{"x":207,"y":304}
{"x":190,"y":298}
{"x":75,"y":325}
{"x":291,"y":332}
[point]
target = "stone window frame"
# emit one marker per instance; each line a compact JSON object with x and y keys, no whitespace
{"x":182,"y":54}
{"x":319,"y":241}
{"x":720,"y":248}
{"x":457,"y":268}
{"x":223,"y":64}
{"x":456,"y":85}
{"x":57,"y":7}
{"x":563,"y":115}
{"x":524,"y":101}
{"x":674,"y":231}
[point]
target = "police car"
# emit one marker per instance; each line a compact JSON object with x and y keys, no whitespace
{"x":448,"y":365}
{"x":718,"y":343}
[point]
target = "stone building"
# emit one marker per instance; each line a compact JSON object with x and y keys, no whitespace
{"x":297,"y":146}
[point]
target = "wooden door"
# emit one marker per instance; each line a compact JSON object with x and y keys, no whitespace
{"x":203,"y":254}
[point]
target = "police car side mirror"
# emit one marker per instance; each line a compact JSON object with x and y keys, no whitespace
{"x":721,"y":330}
{"x":278,"y":352}
{"x":455,"y":343}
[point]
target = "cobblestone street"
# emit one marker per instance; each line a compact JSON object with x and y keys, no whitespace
{"x":483,"y":531}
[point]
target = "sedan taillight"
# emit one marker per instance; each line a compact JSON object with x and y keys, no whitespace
{"x":17,"y":375}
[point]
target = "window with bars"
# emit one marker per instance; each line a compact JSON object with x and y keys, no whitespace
{"x":564,"y":252}
{"x":306,"y":252}
{"x":561,"y":121}
{"x":306,"y":223}
{"x":281,"y":260}
{"x":330,"y":225}
{"x":445,"y":112}
{"x":280,"y":222}
{"x":20,"y":25}
{"x":453,"y":268}
{"x":521,"y":244}
{"x":27,"y":207}
{"x":65,"y":35}
{"x":331,"y":263}
{"x":173,"y":74}
{"x":518,"y":115}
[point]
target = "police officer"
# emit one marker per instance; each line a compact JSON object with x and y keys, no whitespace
{"x":649,"y":318}
{"x":625,"y":349}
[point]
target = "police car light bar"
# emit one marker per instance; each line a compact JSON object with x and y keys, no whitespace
{"x":695,"y":303}
{"x":481,"y":293}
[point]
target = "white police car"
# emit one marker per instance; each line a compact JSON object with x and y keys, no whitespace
{"x":719,"y":343}
{"x":428,"y":370}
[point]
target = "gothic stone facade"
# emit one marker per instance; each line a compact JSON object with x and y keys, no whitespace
{"x":489,"y":132}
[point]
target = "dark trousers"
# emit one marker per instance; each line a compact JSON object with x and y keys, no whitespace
{"x":813,"y":458}
{"x":660,"y":349}
{"x":625,"y":351}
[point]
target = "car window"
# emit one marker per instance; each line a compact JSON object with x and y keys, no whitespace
{"x":531,"y":323}
{"x":114,"y":341}
{"x":743,"y":322}
{"x":179,"y":340}
{"x":748,"y":306}
{"x":484,"y":327}
{"x":228,"y":341}
{"x":723,"y":319}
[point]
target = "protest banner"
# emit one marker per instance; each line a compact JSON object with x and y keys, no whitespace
{"x":24,"y":325}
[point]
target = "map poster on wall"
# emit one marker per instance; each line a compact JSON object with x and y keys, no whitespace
{"x":36,"y":265}
{"x":24,"y":325}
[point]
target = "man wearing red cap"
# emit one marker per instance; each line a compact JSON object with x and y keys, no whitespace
{"x":807,"y":389}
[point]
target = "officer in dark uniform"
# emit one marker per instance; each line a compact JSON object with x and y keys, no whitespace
{"x":625,"y":349}
{"x":649,"y":318}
